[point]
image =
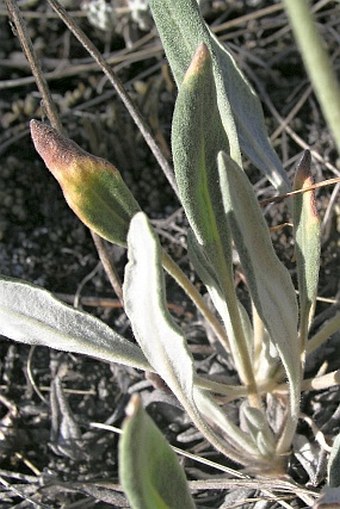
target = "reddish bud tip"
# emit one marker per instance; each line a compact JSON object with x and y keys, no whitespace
{"x":56,"y":150}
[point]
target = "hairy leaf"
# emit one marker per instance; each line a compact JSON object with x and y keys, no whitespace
{"x":307,"y":244}
{"x":164,"y":344}
{"x":197,"y":136}
{"x":148,"y":468}
{"x":31,"y":315}
{"x":182,"y":29}
{"x":269,"y":282}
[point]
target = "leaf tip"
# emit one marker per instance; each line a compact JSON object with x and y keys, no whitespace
{"x":133,"y":406}
{"x":303,"y":179}
{"x":303,"y":171}
{"x":199,"y":61}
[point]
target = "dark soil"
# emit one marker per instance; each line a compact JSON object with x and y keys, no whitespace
{"x":43,"y":242}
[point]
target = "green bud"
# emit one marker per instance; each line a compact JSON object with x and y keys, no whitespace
{"x":92,"y":187}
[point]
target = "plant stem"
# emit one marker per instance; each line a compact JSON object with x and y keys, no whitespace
{"x":227,"y":393}
{"x":34,"y":63}
{"x":182,"y":280}
{"x":52,"y":115}
{"x":174,"y":270}
{"x":317,"y":62}
{"x":238,"y":344}
{"x":108,"y":265}
{"x":329,"y":328}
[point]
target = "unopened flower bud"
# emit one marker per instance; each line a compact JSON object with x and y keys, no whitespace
{"x":92,"y":187}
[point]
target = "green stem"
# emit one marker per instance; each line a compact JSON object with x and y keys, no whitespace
{"x":233,"y":323}
{"x":231,"y":392}
{"x":239,"y":347}
{"x":329,"y":328}
{"x":317,"y":62}
{"x":174,"y":270}
{"x":241,"y":354}
{"x":227,"y":393}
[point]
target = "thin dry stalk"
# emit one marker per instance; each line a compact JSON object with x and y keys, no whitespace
{"x":119,"y":87}
{"x":52,"y":114}
{"x":27,"y":47}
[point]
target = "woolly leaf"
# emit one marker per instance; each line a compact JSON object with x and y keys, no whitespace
{"x":197,"y":136}
{"x":164,"y":344}
{"x":307,"y":244}
{"x":269,"y":282}
{"x":31,"y":315}
{"x":182,"y":29}
{"x":148,"y":468}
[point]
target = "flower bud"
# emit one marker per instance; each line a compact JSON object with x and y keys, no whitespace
{"x":92,"y":187}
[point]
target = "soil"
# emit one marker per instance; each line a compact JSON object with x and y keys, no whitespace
{"x":42,"y":241}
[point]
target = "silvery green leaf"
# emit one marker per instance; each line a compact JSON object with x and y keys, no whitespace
{"x":182,"y":29}
{"x":224,"y":303}
{"x":201,"y":263}
{"x":259,"y":430}
{"x":266,"y":360}
{"x":330,"y":499}
{"x":307,"y":244}
{"x":334,"y":465}
{"x":247,"y":328}
{"x":268,"y":280}
{"x":164,"y":344}
{"x":197,"y":136}
{"x":149,"y":470}
{"x":31,"y":315}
